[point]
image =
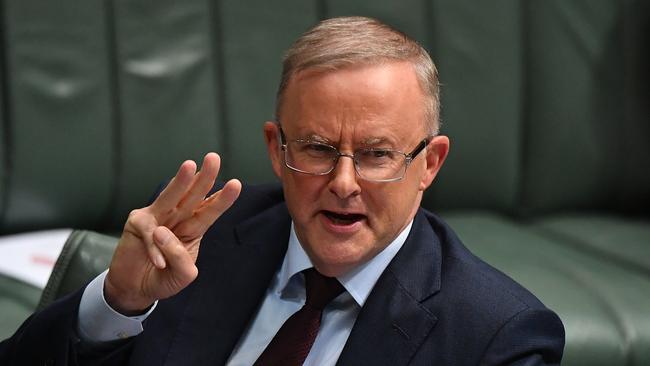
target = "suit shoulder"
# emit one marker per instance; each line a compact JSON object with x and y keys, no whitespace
{"x":506,"y":320}
{"x":492,"y":292}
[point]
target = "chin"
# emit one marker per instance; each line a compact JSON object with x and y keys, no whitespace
{"x":334,"y":270}
{"x":337,"y":264}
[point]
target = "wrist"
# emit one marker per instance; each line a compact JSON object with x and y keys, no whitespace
{"x":123,"y":303}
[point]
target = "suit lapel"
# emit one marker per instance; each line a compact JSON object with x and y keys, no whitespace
{"x":236,"y":269}
{"x":393,"y":323}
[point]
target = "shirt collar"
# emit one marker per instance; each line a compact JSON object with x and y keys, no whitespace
{"x":295,"y":261}
{"x":358,"y":282}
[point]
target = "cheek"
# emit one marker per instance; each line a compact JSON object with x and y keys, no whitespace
{"x":301,"y":193}
{"x":381,"y":202}
{"x":392,"y":205}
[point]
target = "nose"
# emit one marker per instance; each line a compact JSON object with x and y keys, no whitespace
{"x":343,"y":182}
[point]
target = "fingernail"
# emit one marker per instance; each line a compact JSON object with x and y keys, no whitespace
{"x":159,"y":261}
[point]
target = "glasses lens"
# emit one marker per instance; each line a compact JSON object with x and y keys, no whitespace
{"x":310,"y":157}
{"x":380,"y":165}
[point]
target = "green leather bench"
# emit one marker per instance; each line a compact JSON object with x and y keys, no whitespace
{"x":545,"y":103}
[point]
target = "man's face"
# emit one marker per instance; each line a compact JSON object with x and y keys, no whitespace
{"x":340,"y":219}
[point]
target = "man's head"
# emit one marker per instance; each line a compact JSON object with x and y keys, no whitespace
{"x":342,"y":42}
{"x":370,"y":92}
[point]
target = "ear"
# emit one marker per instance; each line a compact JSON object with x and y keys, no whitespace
{"x":436,"y":153}
{"x":272,"y":138}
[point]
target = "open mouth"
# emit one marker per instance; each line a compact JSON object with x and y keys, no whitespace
{"x":343,"y":218}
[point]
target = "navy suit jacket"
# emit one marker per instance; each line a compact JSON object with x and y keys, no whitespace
{"x":435,"y":304}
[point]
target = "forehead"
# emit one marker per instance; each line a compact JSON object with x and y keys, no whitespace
{"x":383,"y":101}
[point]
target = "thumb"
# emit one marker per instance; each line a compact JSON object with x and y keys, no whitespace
{"x":179,"y":261}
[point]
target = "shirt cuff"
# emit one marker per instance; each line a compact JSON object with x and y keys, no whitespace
{"x":98,"y":322}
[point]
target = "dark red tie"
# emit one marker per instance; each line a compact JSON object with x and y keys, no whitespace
{"x":292,"y":342}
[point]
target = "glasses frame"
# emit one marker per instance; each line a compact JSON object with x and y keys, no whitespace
{"x":408,"y":158}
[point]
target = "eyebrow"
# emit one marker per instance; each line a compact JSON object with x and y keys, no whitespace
{"x":370,"y":141}
{"x":374,"y":141}
{"x":317,"y":138}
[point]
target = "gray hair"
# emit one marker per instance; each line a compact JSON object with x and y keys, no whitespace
{"x":347,"y":41}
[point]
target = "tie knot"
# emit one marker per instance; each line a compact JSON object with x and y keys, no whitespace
{"x":320,"y":289}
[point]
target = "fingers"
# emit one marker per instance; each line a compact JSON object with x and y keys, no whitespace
{"x":179,"y":261}
{"x":183,"y":207}
{"x":221,"y":200}
{"x":214,"y":206}
{"x":176,"y":189}
{"x":203,"y":182}
{"x":186,"y":191}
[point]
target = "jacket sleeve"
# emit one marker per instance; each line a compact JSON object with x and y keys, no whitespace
{"x":531,"y":337}
{"x":49,"y":337}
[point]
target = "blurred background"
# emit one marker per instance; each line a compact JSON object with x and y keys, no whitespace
{"x":545,"y":102}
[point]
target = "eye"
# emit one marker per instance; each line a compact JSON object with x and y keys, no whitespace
{"x":378,"y":156}
{"x":317,"y":147}
{"x":317,"y":150}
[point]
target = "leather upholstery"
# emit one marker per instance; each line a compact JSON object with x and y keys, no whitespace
{"x":603,"y":305}
{"x":85,"y":255}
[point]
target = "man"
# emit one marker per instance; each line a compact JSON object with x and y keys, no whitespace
{"x":355,"y":144}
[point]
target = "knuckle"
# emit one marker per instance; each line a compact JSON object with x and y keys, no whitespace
{"x":133,"y":214}
{"x":136,"y":215}
{"x":141,"y":216}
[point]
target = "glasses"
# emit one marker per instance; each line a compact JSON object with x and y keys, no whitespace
{"x":372,"y":164}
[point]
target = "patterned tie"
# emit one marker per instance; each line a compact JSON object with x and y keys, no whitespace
{"x":292,"y":342}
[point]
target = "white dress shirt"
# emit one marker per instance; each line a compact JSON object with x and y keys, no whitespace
{"x":98,"y":322}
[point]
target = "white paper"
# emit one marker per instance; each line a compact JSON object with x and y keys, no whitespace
{"x":30,"y":257}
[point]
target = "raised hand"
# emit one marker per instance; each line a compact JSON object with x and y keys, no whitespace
{"x":155,"y":257}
